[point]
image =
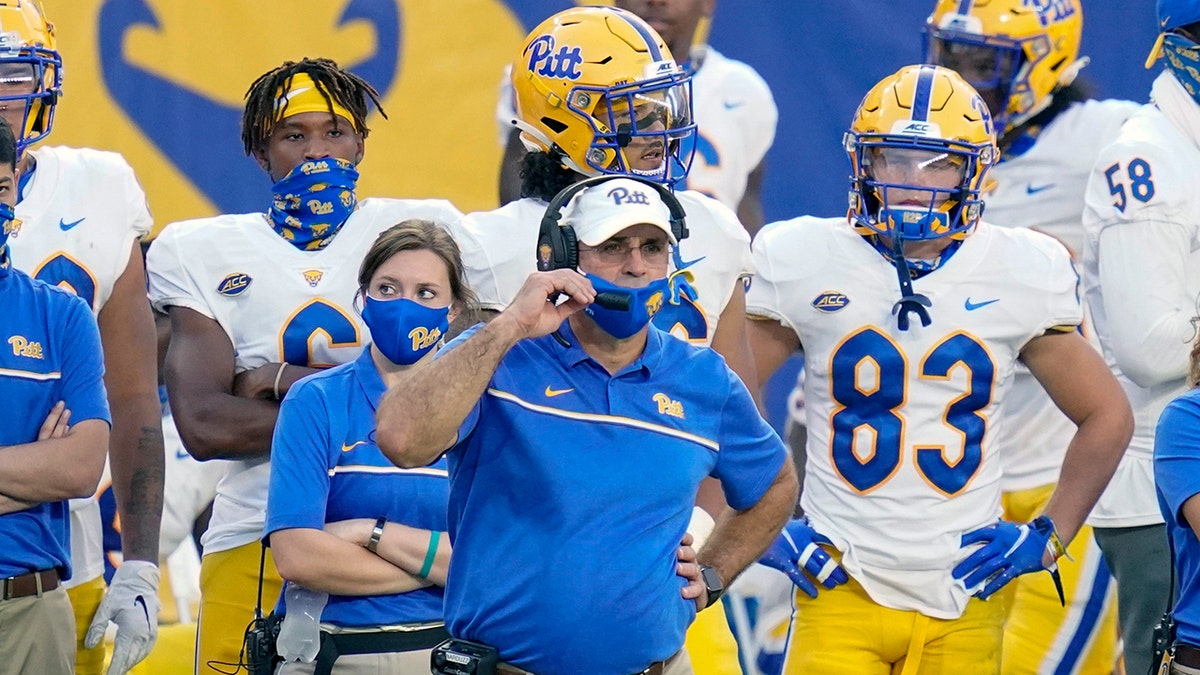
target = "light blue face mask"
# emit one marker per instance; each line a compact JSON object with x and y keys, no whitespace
{"x":1183,"y":59}
{"x":644,"y":303}
{"x":404,"y":330}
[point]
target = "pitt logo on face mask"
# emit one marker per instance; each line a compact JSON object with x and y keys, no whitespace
{"x":23,"y":347}
{"x":310,"y":168}
{"x":423,"y":337}
{"x":622,"y":196}
{"x":319,"y":208}
{"x":563,"y":64}
{"x":12,"y":227}
{"x":654,"y":304}
{"x":668,"y":407}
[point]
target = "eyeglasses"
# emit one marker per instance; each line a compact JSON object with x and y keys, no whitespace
{"x":615,"y":252}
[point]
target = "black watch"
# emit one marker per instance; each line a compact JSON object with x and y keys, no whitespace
{"x":712,"y":584}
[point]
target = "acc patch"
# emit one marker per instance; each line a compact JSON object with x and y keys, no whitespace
{"x":830,"y":301}
{"x":235,"y":284}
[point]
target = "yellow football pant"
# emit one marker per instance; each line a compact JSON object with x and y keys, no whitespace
{"x":844,"y":631}
{"x":85,"y":600}
{"x":710,"y":644}
{"x":228,"y":587}
{"x":1042,"y":636}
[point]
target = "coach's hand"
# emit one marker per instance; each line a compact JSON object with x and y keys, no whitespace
{"x":132,"y":603}
{"x":536,"y":312}
{"x":796,"y":551}
{"x":1009,"y":550}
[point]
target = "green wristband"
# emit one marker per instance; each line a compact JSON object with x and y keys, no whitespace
{"x":434,"y":538}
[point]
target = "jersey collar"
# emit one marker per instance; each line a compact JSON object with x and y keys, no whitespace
{"x":571,"y":354}
{"x":368,"y":378}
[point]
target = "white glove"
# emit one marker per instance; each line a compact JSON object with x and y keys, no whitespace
{"x":131,"y":603}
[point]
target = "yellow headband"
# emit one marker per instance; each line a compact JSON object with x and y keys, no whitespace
{"x":302,"y":96}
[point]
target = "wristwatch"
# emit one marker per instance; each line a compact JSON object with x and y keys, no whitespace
{"x":712,"y":584}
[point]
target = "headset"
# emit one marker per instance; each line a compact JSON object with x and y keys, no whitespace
{"x":557,"y":247}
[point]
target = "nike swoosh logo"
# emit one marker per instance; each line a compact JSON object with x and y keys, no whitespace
{"x":139,"y":600}
{"x":551,"y":393}
{"x":181,"y":454}
{"x":972,"y":306}
{"x":732,"y":105}
{"x":348,"y":448}
{"x":64,"y":225}
{"x":1031,"y":189}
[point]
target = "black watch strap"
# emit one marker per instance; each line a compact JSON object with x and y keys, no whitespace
{"x":712,"y":584}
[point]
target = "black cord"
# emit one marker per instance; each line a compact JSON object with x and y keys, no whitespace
{"x":910,"y":301}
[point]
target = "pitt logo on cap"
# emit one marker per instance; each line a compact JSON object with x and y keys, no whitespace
{"x":23,"y":347}
{"x":622,"y":196}
{"x":563,"y":64}
{"x":830,"y":301}
{"x":667,"y":406}
{"x":234,"y":284}
{"x":313,"y":277}
{"x":423,"y":337}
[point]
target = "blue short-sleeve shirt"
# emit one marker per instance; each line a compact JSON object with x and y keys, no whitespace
{"x":326,"y":467}
{"x":49,"y":352}
{"x":1177,"y":479}
{"x":570,"y":490}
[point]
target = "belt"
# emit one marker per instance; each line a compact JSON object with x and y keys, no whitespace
{"x":1187,"y":655}
{"x":34,"y":583}
{"x":656,"y":668}
{"x":375,"y":642}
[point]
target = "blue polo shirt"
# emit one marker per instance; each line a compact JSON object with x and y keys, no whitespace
{"x":50,"y":352}
{"x":325,"y":467}
{"x":570,"y":490}
{"x":1177,"y":478}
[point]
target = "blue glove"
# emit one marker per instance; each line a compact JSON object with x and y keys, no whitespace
{"x":1009,"y":550}
{"x":795,"y":550}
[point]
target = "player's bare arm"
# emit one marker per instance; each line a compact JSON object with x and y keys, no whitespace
{"x":1083,"y":387}
{"x":418,"y":419}
{"x":750,"y":210}
{"x":128,"y":336}
{"x":213,"y":422}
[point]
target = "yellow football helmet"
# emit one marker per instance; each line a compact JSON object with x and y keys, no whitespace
{"x":595,"y":84}
{"x":1016,"y":53}
{"x":30,"y":68}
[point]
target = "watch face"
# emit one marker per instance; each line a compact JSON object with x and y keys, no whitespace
{"x":712,"y":580}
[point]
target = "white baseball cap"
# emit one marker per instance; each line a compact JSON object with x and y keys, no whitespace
{"x":599,"y":212}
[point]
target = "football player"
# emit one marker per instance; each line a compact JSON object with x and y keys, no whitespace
{"x":259,"y":300}
{"x":598,"y":92}
{"x":1141,"y":276}
{"x":913,"y":314}
{"x":735,"y":113}
{"x":1023,"y":59}
{"x":81,"y":213}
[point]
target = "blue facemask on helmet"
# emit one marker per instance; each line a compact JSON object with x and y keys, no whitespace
{"x":313,"y":201}
{"x":644,"y":303}
{"x":403,"y":330}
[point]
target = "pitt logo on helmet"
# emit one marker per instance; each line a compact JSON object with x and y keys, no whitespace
{"x":23,"y":347}
{"x":234,"y":284}
{"x":423,"y":337}
{"x":830,"y":301}
{"x":667,"y":406}
{"x":563,"y":64}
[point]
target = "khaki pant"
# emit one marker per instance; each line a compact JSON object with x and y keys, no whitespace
{"x":37,"y":635}
{"x":680,"y":666}
{"x":400,"y":663}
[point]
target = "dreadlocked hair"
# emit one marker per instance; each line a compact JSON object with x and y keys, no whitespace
{"x":543,"y":175}
{"x":349,"y":90}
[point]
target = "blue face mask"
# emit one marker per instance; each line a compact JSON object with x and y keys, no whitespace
{"x":404,"y":330}
{"x":313,"y":201}
{"x":8,"y":225}
{"x":1183,"y":58}
{"x":644,"y":303}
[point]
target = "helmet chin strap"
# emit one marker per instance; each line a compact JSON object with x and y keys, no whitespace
{"x":910,"y":301}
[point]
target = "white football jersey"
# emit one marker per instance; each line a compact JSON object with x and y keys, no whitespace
{"x":277,"y":304}
{"x":735,"y":124}
{"x":80,"y":214}
{"x":1043,"y":189}
{"x":501,"y":251}
{"x":901,"y":424}
{"x":1141,"y":276}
